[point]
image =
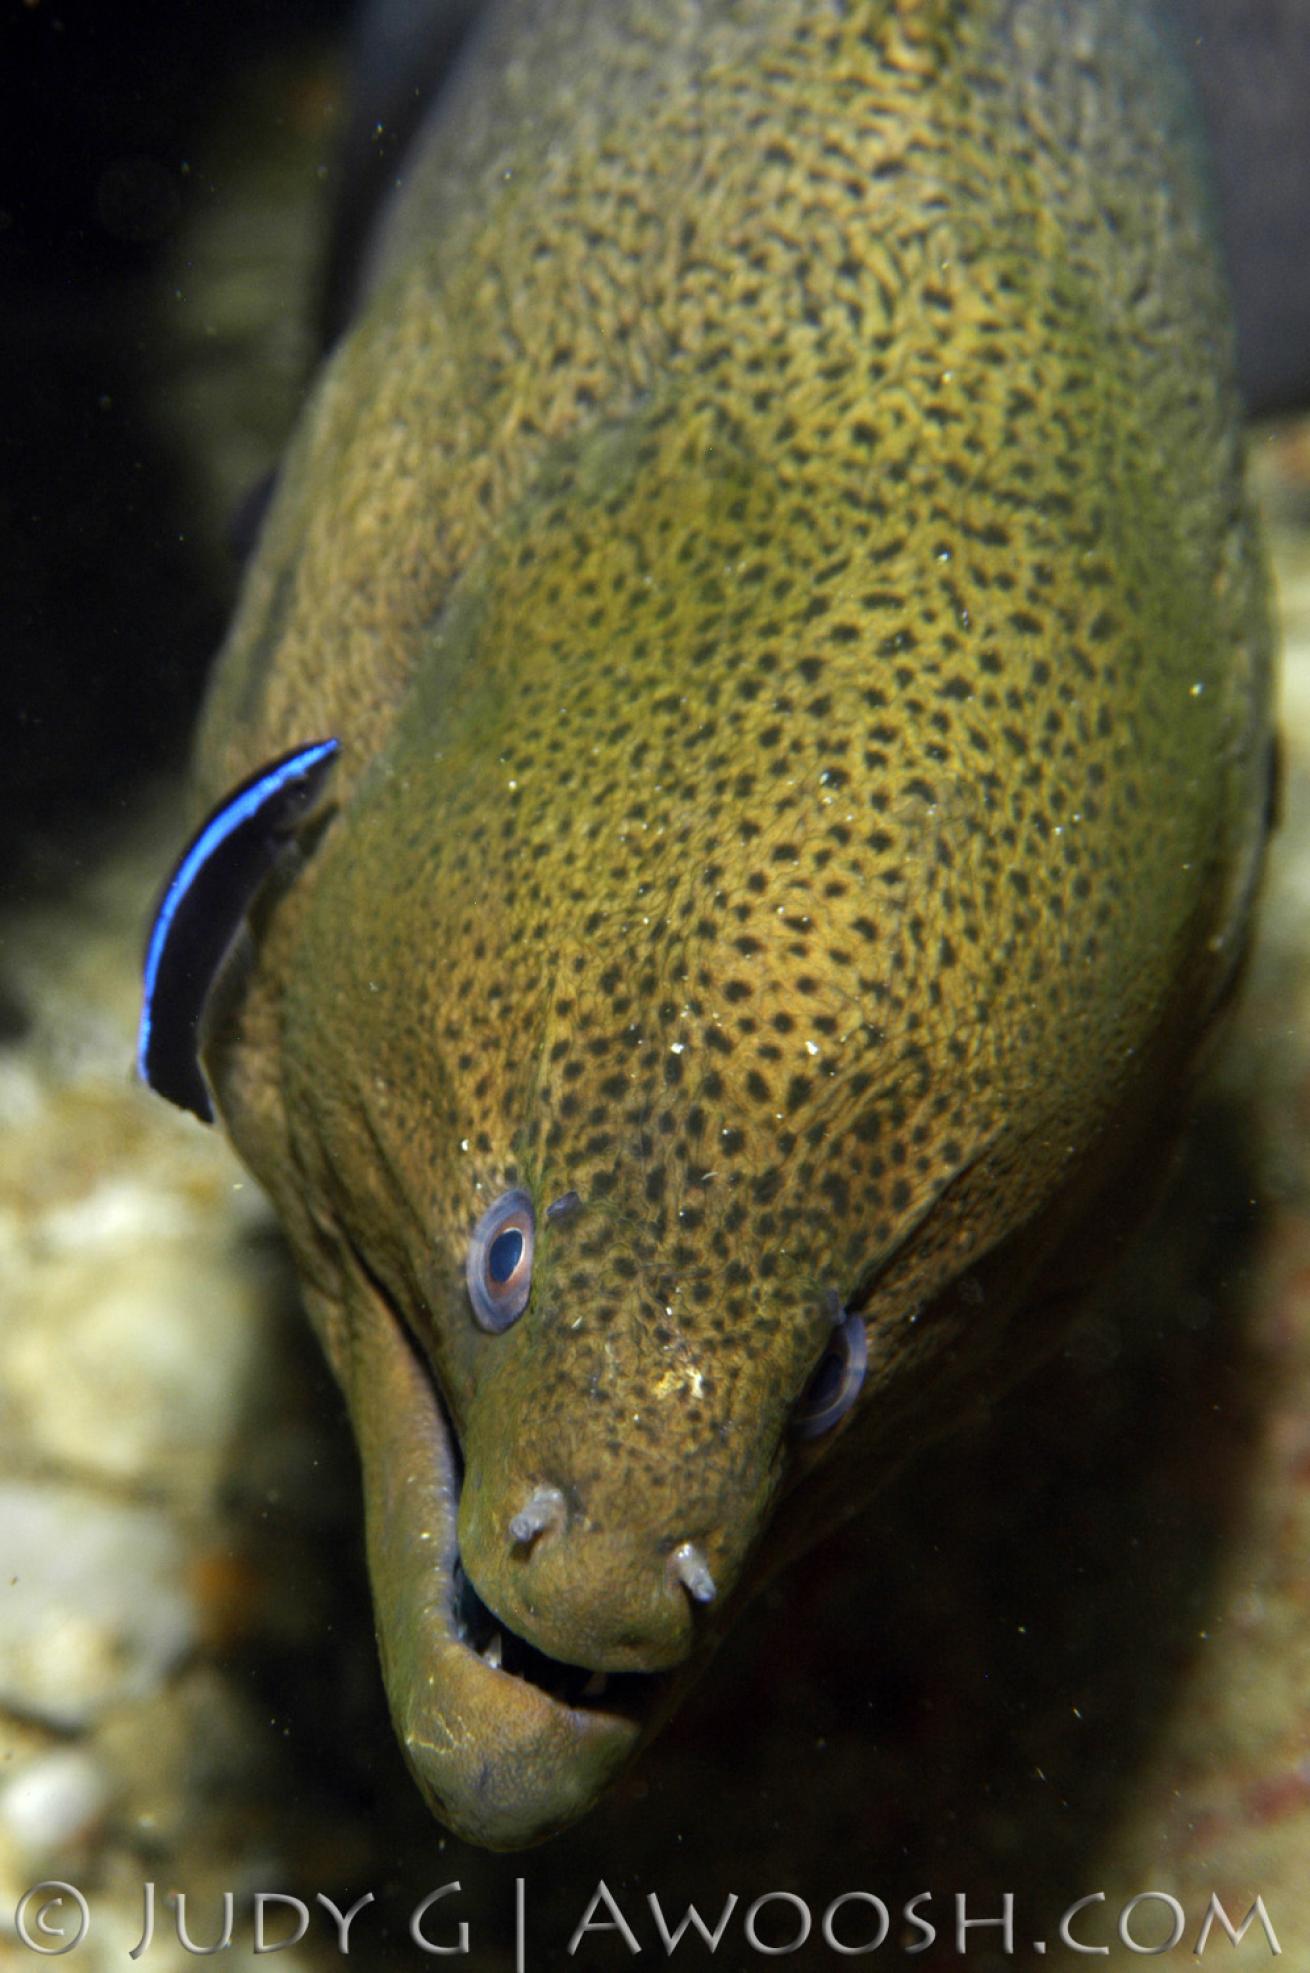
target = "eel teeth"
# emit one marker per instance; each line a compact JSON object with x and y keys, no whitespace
{"x":491,"y":1651}
{"x":595,"y":1686}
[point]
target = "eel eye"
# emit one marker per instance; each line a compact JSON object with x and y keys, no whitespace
{"x":835,"y":1385}
{"x":499,"y":1270}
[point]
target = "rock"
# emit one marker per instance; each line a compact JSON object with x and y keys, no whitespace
{"x":52,"y":1802}
{"x":94,"y":1607}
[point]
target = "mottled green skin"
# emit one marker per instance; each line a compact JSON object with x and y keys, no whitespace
{"x":774,"y":554}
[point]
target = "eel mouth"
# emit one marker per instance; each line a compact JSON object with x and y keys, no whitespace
{"x":632,"y":1696}
{"x":507,"y":1744}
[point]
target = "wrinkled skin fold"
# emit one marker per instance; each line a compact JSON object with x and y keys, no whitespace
{"x":773,"y":553}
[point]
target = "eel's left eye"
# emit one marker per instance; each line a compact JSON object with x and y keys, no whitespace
{"x":499,"y":1270}
{"x":835,"y":1385}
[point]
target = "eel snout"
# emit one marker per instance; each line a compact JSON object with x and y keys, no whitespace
{"x":614,"y":1599}
{"x":610,"y":1529}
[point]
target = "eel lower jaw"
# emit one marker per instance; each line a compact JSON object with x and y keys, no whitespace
{"x":501,"y":1758}
{"x":507,"y":1745}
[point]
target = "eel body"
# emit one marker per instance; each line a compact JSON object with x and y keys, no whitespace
{"x":773,"y":554}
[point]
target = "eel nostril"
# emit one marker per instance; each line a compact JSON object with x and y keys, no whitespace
{"x":692,"y":1571}
{"x":543,"y":1511}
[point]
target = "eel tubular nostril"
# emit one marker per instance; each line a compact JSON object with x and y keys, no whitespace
{"x":692,"y":1571}
{"x":545,"y":1509}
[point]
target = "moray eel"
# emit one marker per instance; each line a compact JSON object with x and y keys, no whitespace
{"x":773,"y":558}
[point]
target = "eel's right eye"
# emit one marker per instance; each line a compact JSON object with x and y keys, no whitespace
{"x":499,"y":1269}
{"x":835,"y":1385}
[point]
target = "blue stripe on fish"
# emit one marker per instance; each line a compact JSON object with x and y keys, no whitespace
{"x":205,"y":900}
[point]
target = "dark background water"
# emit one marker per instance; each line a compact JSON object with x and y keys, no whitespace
{"x":116,"y":136}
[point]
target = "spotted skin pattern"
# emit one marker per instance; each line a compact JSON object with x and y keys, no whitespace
{"x":774,"y":554}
